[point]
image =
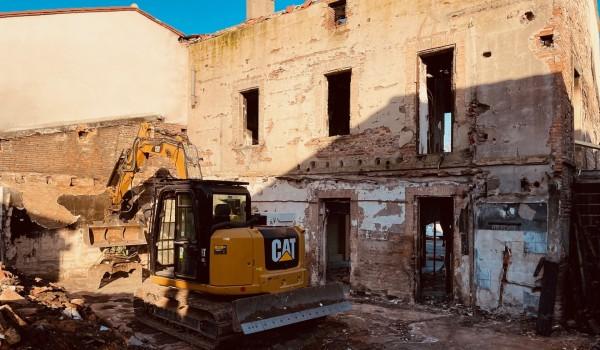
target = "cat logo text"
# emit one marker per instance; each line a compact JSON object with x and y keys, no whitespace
{"x":283,"y":250}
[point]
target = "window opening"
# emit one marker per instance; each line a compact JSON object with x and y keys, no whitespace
{"x":339,"y":12}
{"x":447,"y":132}
{"x":251,"y":114}
{"x":338,"y":106}
{"x":577,"y":117}
{"x":229,"y":207}
{"x":436,"y":102}
{"x":547,"y":40}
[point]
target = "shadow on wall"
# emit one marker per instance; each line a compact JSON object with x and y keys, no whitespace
{"x":379,"y":170}
{"x":505,"y":148}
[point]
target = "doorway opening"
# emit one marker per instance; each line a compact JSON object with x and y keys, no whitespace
{"x":436,"y":227}
{"x":337,"y":240}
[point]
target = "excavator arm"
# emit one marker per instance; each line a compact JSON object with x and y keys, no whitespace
{"x":151,"y":143}
{"x":113,"y":235}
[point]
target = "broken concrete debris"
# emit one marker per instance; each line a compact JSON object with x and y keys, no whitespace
{"x":38,"y":314}
{"x":11,"y":296}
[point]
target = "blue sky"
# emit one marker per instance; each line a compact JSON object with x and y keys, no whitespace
{"x":188,"y":16}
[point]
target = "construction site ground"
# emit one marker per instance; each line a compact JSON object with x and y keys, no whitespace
{"x":37,"y":314}
{"x":373,"y":323}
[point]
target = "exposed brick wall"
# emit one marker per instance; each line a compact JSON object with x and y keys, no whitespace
{"x":88,"y":151}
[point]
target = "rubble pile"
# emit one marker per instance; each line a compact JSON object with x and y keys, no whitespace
{"x":36,"y":314}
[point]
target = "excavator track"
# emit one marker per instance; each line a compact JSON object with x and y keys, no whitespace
{"x":200,"y":320}
{"x":207,"y":321}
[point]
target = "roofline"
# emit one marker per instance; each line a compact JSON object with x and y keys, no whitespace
{"x":89,"y":10}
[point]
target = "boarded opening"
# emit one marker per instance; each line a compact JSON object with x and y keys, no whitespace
{"x":436,"y":102}
{"x":337,"y":231}
{"x":338,"y":106}
{"x":435,"y":248}
{"x":251,"y":109}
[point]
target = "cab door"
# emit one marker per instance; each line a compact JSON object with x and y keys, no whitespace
{"x":186,"y":238}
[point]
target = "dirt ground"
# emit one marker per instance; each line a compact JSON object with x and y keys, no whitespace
{"x":373,"y":323}
{"x":104,"y":319}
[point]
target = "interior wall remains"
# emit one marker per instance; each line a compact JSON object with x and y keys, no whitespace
{"x":54,"y":180}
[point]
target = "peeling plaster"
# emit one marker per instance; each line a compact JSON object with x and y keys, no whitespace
{"x":373,"y":220}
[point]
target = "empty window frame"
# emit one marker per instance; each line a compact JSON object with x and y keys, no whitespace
{"x":436,"y":101}
{"x":339,"y":12}
{"x":338,"y":102}
{"x":250,"y":108}
{"x":576,"y":101}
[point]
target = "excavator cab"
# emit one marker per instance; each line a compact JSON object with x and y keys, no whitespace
{"x":185,"y":216}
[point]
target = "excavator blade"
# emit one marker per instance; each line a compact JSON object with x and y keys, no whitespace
{"x":268,"y":311}
{"x":104,"y":235}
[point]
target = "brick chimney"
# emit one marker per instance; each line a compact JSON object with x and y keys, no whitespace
{"x":259,"y":8}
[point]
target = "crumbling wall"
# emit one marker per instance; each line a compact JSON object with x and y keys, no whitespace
{"x":511,"y":137}
{"x":39,"y":236}
{"x":56,"y":178}
{"x":85,"y":151}
{"x":581,"y":21}
{"x":382,"y":243}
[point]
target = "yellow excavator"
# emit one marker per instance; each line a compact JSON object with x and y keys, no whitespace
{"x":216,"y":271}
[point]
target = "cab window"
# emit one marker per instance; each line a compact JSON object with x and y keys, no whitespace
{"x":166,"y":238}
{"x":185,"y":227}
{"x":185,"y":243}
{"x":229,"y":207}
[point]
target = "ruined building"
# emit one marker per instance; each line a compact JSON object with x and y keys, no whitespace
{"x":427,"y":148}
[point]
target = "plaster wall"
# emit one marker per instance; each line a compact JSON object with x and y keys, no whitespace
{"x":288,"y":55}
{"x":63,"y":68}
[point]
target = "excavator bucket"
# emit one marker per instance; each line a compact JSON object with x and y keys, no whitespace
{"x":268,"y":311}
{"x":114,"y":234}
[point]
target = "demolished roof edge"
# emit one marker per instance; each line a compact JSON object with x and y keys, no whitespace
{"x":75,"y":125}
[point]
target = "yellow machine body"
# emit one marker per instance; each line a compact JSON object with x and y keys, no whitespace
{"x":215,"y":272}
{"x":237,"y":266}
